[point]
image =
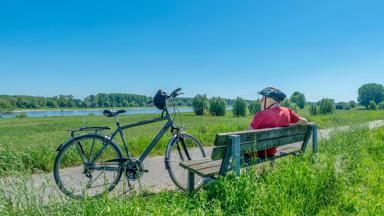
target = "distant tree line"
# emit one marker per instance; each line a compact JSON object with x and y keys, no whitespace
{"x":11,"y":102}
{"x":101,"y":100}
{"x":370,"y":95}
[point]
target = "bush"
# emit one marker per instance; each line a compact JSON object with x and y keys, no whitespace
{"x":299,"y":99}
{"x":21,"y":115}
{"x":352,"y":104}
{"x":369,"y":92}
{"x":326,"y":105}
{"x":372,"y":105}
{"x":381,"y":105}
{"x":239,"y":107}
{"x":313,"y":109}
{"x":5,"y":106}
{"x":287,"y":103}
{"x":217,"y":106}
{"x":339,"y":106}
{"x":254,"y":107}
{"x":200,"y":104}
{"x":343,"y":105}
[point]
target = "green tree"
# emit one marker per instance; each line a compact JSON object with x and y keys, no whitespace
{"x":381,"y":105}
{"x":200,"y":104}
{"x":254,"y":107}
{"x":313,"y":109}
{"x":217,"y":106}
{"x":288,"y":103}
{"x":372,"y":105}
{"x":326,"y":105}
{"x":239,"y":107}
{"x":352,"y":104}
{"x":299,"y":99}
{"x":370,"y":91}
{"x":5,"y":106}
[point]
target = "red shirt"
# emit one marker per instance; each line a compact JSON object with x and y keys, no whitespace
{"x":270,"y":118}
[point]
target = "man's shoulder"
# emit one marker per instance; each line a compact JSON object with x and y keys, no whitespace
{"x":284,"y":109}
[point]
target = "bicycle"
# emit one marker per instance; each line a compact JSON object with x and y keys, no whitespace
{"x":101,"y":163}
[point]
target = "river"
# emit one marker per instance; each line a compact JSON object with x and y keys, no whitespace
{"x":82,"y":112}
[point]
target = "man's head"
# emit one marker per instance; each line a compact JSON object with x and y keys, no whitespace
{"x":271,"y":96}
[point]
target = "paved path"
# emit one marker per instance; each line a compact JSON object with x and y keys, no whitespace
{"x":41,"y":187}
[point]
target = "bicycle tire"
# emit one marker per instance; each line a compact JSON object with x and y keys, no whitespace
{"x":175,"y":154}
{"x":67,"y":151}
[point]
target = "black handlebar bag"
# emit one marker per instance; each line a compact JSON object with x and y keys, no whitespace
{"x":160,"y":99}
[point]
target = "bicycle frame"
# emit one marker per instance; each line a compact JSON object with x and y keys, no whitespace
{"x":149,"y":148}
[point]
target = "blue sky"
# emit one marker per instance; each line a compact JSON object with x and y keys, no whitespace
{"x":221,"y":48}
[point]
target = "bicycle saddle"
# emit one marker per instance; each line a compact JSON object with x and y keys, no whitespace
{"x":111,"y":113}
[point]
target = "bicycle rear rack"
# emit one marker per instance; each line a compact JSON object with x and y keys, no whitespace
{"x":96,"y":129}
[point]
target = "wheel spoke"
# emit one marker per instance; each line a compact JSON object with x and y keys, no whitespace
{"x":78,"y":181}
{"x":81,"y":152}
{"x":179,"y":151}
{"x":186,"y":148}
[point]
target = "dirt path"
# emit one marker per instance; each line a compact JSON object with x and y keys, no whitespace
{"x":41,"y":187}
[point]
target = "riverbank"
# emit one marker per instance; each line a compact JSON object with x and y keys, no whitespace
{"x":84,"y":112}
{"x":91,"y":109}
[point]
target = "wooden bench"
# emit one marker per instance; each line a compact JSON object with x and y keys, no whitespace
{"x":231,"y":150}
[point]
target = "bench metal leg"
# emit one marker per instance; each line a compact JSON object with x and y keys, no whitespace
{"x":314,"y":139}
{"x":235,"y":140}
{"x":191,"y":181}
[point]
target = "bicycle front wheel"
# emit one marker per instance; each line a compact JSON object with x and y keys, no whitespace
{"x":183,"y":148}
{"x":83,"y":166}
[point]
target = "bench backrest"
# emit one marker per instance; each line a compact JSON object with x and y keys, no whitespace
{"x":257,"y":140}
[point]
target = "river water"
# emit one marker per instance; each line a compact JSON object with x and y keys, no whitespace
{"x":82,"y":112}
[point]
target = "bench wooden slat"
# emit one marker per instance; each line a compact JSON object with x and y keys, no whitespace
{"x":211,"y":171}
{"x":194,"y":162}
{"x":202,"y":168}
{"x":204,"y":165}
{"x":260,"y":134}
{"x":218,"y":151}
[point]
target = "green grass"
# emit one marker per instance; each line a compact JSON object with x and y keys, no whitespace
{"x":29,"y":144}
{"x":346,"y":177}
{"x":344,"y":117}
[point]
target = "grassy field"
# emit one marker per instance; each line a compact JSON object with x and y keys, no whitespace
{"x":28,"y":145}
{"x":345,"y":178}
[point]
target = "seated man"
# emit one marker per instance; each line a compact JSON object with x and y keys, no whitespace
{"x":273,"y":115}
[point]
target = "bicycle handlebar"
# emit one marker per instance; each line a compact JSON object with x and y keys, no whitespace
{"x":175,"y":93}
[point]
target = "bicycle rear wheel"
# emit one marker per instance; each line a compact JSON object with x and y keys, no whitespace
{"x":183,"y":148}
{"x":83,"y":168}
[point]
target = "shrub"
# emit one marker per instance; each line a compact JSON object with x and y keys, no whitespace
{"x":369,"y":92}
{"x":352,"y":104}
{"x":326,"y":105}
{"x":217,"y":106}
{"x":239,"y":107}
{"x":381,"y":105}
{"x":343,"y":105}
{"x":313,"y":109}
{"x":21,"y":115}
{"x":372,"y":105}
{"x":339,"y":106}
{"x":287,"y":103}
{"x":5,"y":106}
{"x":254,"y":107}
{"x":299,"y":99}
{"x":200,"y":104}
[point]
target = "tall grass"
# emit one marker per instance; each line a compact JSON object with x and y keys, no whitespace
{"x":344,"y":178}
